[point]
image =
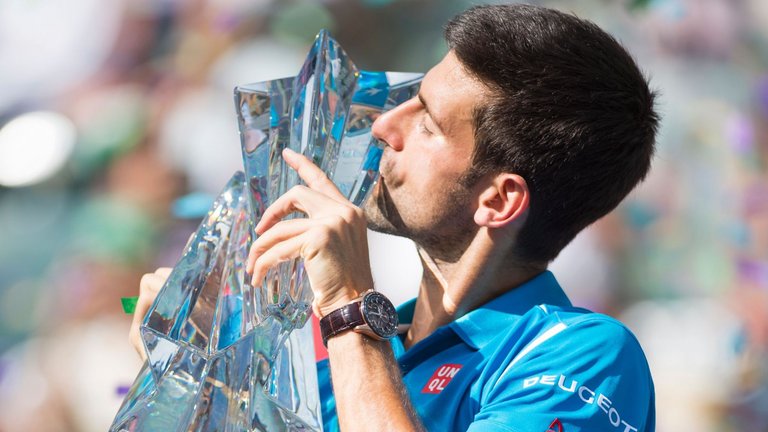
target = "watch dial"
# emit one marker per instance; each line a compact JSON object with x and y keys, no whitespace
{"x":380,"y":315}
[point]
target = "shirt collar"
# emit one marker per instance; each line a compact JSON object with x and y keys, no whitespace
{"x":482,"y":325}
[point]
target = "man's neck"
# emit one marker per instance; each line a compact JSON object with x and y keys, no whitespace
{"x":449,"y":290}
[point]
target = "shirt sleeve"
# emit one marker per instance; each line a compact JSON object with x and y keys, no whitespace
{"x":589,"y":376}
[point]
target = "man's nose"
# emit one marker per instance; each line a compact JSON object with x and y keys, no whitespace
{"x":389,"y":126}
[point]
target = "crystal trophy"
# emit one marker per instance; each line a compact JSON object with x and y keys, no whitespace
{"x":223,"y":354}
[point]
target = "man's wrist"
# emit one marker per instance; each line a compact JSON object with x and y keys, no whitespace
{"x":351,"y":339}
{"x":337,"y":303}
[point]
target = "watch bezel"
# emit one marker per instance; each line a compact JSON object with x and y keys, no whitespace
{"x":364,"y":312}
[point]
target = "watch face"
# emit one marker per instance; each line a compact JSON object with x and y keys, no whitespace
{"x":380,"y":314}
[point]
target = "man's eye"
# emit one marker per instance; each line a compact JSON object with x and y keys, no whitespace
{"x":423,"y":127}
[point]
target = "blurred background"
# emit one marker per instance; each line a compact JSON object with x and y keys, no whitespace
{"x":118,"y":127}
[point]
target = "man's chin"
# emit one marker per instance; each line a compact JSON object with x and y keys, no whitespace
{"x":381,"y":213}
{"x":376,"y":219}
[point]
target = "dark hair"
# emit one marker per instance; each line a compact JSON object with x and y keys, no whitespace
{"x":568,"y":110}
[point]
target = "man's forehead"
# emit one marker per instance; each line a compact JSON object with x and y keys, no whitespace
{"x":451,"y":92}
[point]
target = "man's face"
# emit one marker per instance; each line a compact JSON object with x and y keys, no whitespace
{"x":429,"y":143}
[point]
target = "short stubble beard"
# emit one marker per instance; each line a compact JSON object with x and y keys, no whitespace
{"x":447,"y":237}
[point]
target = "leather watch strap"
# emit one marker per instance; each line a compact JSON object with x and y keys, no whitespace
{"x":343,"y":318}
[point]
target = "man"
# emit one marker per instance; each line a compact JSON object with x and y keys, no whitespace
{"x":533,"y":126}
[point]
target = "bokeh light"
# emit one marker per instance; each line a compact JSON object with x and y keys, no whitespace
{"x":34,"y":147}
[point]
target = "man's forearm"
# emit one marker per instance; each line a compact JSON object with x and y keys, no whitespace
{"x":367,"y":385}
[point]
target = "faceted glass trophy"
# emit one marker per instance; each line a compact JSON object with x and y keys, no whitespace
{"x":222,"y":354}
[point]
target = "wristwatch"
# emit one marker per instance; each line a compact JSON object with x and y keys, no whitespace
{"x":372,"y":314}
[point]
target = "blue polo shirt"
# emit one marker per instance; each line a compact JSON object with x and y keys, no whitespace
{"x":525,"y":361}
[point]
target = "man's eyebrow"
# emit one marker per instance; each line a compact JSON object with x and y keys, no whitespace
{"x":434,"y":119}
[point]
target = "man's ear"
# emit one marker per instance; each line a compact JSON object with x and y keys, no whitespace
{"x":504,"y":201}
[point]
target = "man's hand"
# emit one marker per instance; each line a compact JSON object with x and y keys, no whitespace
{"x":148,"y":288}
{"x":331,"y":240}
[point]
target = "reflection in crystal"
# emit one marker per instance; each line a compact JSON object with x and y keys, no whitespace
{"x":226,"y":355}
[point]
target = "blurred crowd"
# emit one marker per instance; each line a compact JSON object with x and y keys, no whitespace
{"x":118,"y":127}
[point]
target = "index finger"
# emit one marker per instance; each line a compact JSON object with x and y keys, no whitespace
{"x":298,"y":198}
{"x":312,"y":175}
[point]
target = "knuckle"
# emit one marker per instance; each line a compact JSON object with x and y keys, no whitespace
{"x":262,"y":263}
{"x":163,"y":271}
{"x":339,"y":221}
{"x":348,"y":214}
{"x":144,"y":283}
{"x":318,"y":177}
{"x":149,"y":285}
{"x":254,"y":247}
{"x":322,"y":234}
